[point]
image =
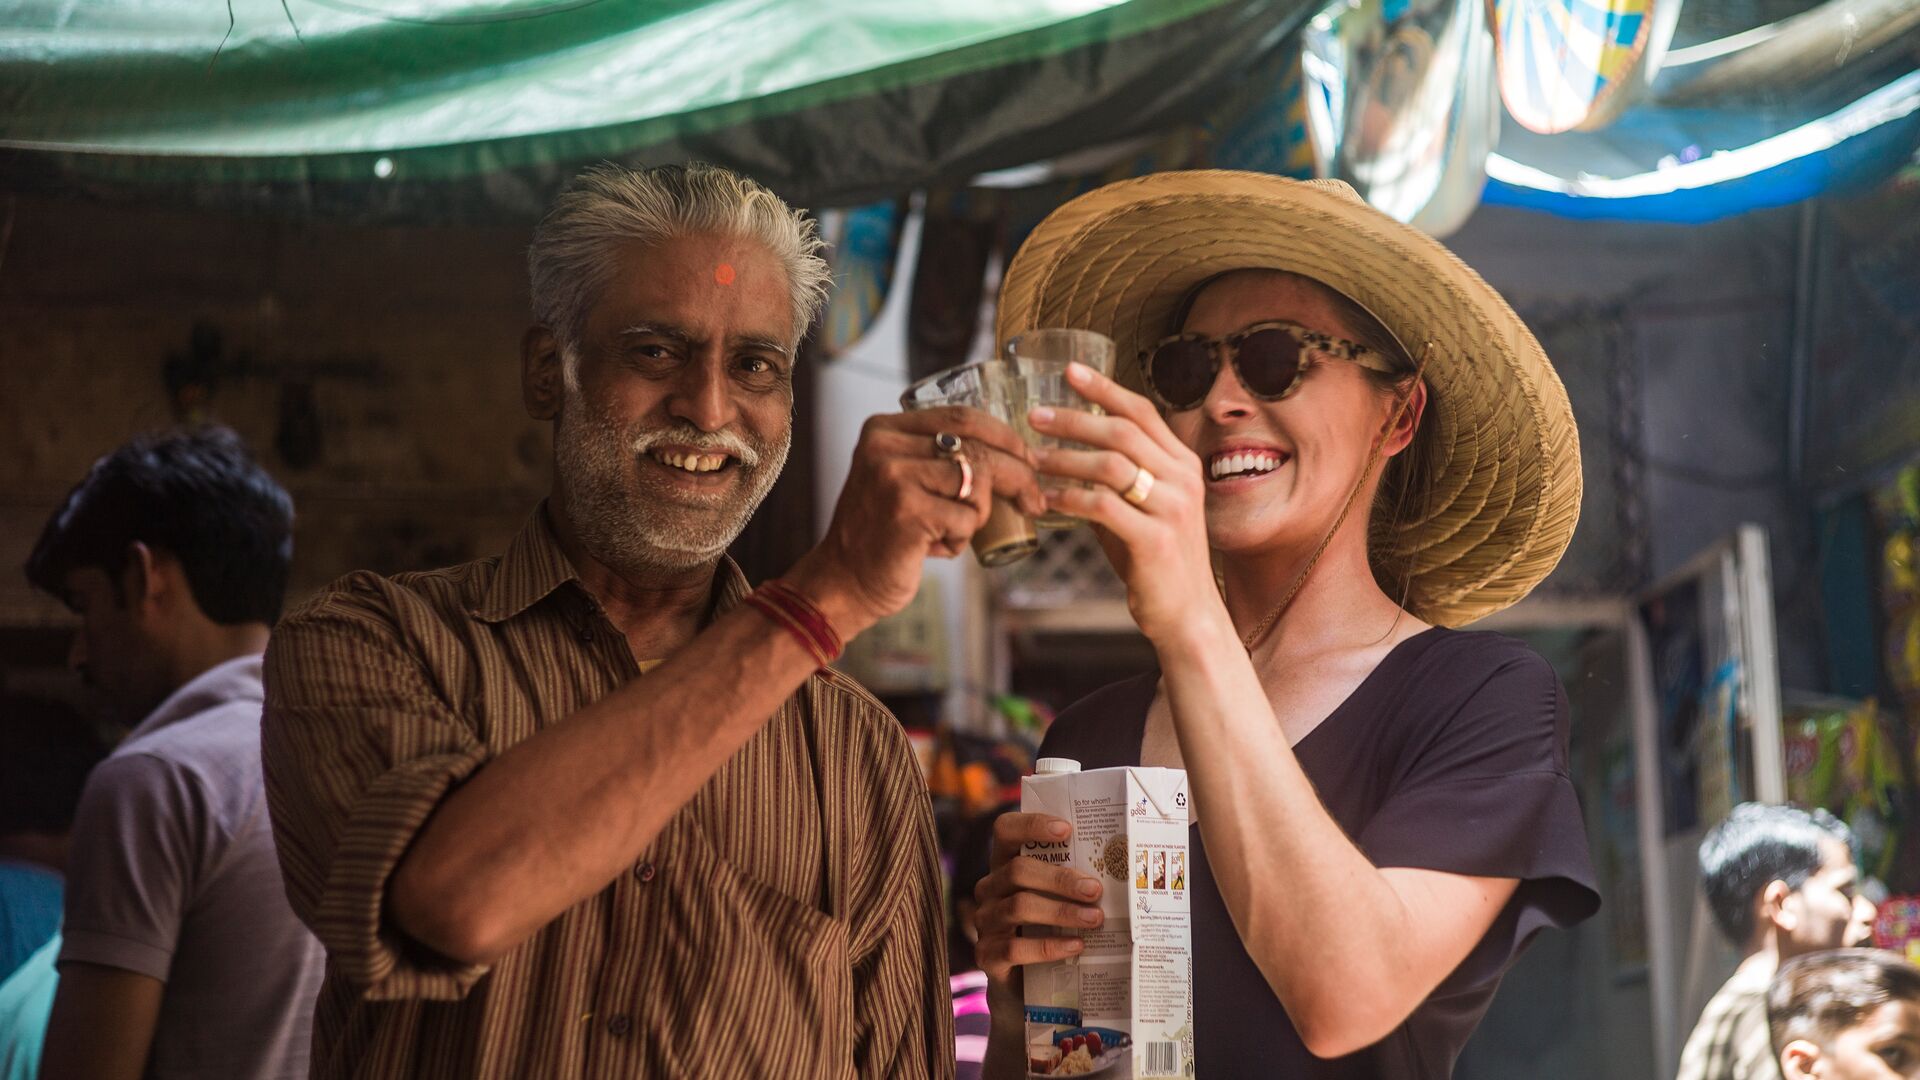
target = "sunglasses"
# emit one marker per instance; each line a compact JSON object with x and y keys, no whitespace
{"x":1269,"y":358}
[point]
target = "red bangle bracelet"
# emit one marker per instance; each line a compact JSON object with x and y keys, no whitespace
{"x":780,"y":618}
{"x":803,"y":609}
{"x":799,"y":617}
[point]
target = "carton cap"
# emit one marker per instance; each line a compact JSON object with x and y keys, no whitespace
{"x":1053,"y":765}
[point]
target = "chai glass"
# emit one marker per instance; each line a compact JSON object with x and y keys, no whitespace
{"x":1040,"y":359}
{"x":989,"y":386}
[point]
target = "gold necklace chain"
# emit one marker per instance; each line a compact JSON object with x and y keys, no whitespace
{"x":1373,"y":458}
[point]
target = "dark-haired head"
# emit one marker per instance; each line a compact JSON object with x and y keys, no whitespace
{"x":1761,"y":847}
{"x":174,"y":551}
{"x":197,"y":496}
{"x":1845,"y":1013}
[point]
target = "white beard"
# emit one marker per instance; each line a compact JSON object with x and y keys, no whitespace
{"x":628,"y":527}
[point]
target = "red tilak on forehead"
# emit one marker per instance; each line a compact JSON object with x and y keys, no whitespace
{"x":724,"y":274}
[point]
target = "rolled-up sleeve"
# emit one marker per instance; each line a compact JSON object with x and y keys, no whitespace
{"x":358,"y":749}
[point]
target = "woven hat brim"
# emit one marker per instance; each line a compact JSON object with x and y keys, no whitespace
{"x":1502,"y":511}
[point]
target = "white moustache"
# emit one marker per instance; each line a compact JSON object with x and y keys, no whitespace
{"x":719,"y":442}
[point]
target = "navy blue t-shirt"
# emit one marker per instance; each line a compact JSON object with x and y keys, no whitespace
{"x":1451,"y":755}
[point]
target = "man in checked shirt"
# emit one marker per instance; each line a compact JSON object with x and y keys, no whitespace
{"x":588,"y":809}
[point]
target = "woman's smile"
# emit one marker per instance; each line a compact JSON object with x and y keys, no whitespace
{"x":1241,"y":463}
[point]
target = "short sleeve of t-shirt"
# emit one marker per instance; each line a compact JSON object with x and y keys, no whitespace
{"x":1480,"y":787}
{"x":143,"y":831}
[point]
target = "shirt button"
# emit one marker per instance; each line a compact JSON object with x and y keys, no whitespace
{"x":619,"y":1025}
{"x":644,"y":872}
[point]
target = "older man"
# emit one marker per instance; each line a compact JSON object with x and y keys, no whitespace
{"x":590,"y":808}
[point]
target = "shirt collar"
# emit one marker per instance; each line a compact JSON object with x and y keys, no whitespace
{"x":535,"y":566}
{"x":229,"y":681}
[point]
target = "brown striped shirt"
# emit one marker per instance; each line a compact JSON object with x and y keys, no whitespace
{"x":786,"y":922}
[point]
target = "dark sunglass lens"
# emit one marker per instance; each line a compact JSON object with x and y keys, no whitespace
{"x":1269,"y":360}
{"x":1182,"y":373}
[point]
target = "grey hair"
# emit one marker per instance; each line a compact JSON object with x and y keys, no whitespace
{"x":571,"y":257}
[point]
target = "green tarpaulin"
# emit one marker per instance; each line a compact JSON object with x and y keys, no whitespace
{"x":465,"y":107}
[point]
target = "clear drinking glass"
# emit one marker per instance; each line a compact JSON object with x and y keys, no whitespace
{"x":989,"y":386}
{"x":1040,"y":358}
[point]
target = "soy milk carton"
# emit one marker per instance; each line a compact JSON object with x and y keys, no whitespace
{"x":1124,"y":1006}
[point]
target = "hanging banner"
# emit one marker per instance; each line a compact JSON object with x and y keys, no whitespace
{"x":959,"y":236}
{"x":1265,"y":128}
{"x":862,"y":246}
{"x":1567,"y":64}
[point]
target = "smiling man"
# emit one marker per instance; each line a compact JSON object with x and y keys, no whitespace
{"x":590,"y":808}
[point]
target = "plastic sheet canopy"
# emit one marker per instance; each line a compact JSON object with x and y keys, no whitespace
{"x":308,"y":91}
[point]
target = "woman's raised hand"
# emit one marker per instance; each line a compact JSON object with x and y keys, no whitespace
{"x":1157,"y":544}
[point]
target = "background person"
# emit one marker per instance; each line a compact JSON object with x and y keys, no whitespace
{"x":180,"y":955}
{"x":1846,"y":1014}
{"x":1780,"y":883}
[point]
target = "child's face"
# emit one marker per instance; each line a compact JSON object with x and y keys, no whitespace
{"x":1884,"y":1046}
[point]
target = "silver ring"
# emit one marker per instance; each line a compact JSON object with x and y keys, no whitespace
{"x":947,"y":444}
{"x":966,"y":476}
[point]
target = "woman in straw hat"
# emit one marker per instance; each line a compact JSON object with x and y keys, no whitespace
{"x":1330,"y":443}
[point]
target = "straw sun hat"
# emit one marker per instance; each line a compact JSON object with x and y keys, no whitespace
{"x":1506,"y":492}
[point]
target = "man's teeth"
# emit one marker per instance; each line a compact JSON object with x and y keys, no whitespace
{"x":690,"y":462}
{"x":1236,"y":464}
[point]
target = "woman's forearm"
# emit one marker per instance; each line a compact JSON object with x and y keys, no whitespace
{"x":1315,"y":915}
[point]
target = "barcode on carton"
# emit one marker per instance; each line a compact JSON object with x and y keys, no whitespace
{"x":1163,"y":1059}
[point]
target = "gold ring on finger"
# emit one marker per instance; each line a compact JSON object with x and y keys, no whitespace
{"x":1141,"y":487}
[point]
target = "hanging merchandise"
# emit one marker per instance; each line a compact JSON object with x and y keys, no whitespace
{"x":973,"y":774}
{"x":1839,"y":759}
{"x":1265,"y":126}
{"x":958,"y":238}
{"x":862,"y":245}
{"x":1567,"y":64}
{"x":1897,"y":506}
{"x":1898,"y":927}
{"x":1025,"y":716}
{"x":1401,"y":99}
